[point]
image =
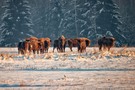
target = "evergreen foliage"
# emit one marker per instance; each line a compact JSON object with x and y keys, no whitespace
{"x":108,"y":19}
{"x":72,"y":18}
{"x":16,"y":24}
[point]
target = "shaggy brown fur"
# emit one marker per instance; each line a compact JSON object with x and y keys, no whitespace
{"x":106,"y":42}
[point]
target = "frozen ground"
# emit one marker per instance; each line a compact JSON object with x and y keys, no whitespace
{"x":92,"y":70}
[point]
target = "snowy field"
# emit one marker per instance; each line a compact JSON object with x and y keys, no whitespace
{"x":93,"y":70}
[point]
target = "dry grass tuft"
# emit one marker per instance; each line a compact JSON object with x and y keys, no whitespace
{"x":48,"y":56}
{"x":123,"y":52}
{"x":6,"y":56}
{"x":112,"y":53}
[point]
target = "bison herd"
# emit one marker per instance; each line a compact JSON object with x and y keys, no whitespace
{"x":41,"y":45}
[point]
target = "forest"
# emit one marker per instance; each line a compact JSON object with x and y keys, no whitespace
{"x":93,"y":19}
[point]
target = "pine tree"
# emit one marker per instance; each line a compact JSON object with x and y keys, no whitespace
{"x":71,"y":21}
{"x":87,"y":18}
{"x":16,"y":24}
{"x":41,"y":18}
{"x":56,"y":18}
{"x":128,"y":23}
{"x":80,"y":19}
{"x":108,"y":19}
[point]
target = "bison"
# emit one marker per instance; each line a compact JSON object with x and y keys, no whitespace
{"x":34,"y":46}
{"x":62,"y":43}
{"x":45,"y":43}
{"x":56,"y":45}
{"x":106,"y":42}
{"x":76,"y":41}
{"x":31,"y":39}
{"x":72,"y":43}
{"x":81,"y":45}
{"x":21,"y":47}
{"x":87,"y":41}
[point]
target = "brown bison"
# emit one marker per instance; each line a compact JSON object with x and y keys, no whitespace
{"x":74,"y":42}
{"x":56,"y":45}
{"x":81,"y":45}
{"x":21,"y":47}
{"x":62,"y":43}
{"x":34,"y":46}
{"x":31,"y":39}
{"x":87,"y":41}
{"x":45,"y":43}
{"x":106,"y":42}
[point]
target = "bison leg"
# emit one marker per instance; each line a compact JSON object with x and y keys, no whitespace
{"x":22,"y":51}
{"x":53,"y":49}
{"x":70,"y":48}
{"x":64,"y":48}
{"x":40,"y":51}
{"x":43,"y":50}
{"x":79,"y":49}
{"x":105,"y":47}
{"x":47,"y":50}
{"x":19,"y":51}
{"x":58,"y":49}
{"x":84,"y":49}
{"x":109,"y":48}
{"x":100,"y":48}
{"x":34,"y":51}
{"x":37,"y":51}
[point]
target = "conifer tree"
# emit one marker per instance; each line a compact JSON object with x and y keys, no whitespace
{"x":108,"y":19}
{"x":17,"y":24}
{"x":56,"y":18}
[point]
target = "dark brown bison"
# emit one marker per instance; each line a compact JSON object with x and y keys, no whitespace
{"x":106,"y":42}
{"x":34,"y":46}
{"x":81,"y":45}
{"x":41,"y":42}
{"x":87,"y":41}
{"x":45,"y":43}
{"x":21,"y":47}
{"x":62,"y":43}
{"x":56,"y":45}
{"x":27,"y":47}
{"x":74,"y":42}
{"x":31,"y":39}
{"x":30,"y":45}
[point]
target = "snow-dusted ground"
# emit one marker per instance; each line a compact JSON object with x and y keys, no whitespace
{"x":92,"y":70}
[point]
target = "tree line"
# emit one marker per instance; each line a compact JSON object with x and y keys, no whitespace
{"x":75,"y":18}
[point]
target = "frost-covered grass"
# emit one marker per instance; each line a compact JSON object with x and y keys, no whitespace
{"x":69,"y":70}
{"x":94,"y":80}
{"x":116,"y":58}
